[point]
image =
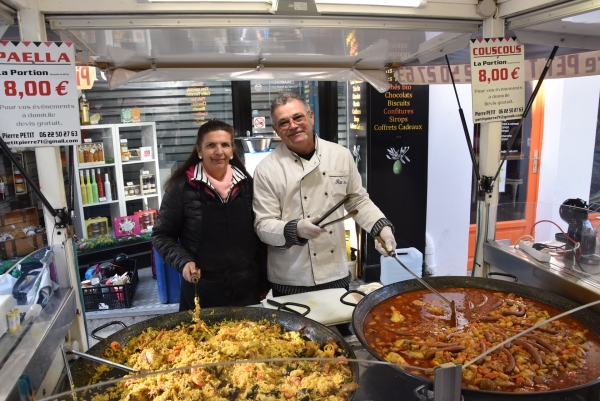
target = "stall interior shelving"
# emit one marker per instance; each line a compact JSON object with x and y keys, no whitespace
{"x":130,"y":168}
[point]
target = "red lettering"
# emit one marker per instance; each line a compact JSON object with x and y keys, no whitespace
{"x":29,"y":57}
{"x":14,"y":57}
{"x":64,"y":57}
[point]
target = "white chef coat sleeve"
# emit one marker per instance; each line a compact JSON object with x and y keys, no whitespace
{"x":267,"y":209}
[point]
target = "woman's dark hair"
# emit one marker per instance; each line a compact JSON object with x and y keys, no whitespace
{"x":193,"y":159}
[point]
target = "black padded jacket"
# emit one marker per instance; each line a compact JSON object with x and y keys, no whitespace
{"x":177,"y":234}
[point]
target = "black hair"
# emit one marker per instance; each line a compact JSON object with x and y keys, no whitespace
{"x":193,"y":159}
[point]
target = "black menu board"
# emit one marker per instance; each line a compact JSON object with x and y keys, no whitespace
{"x":397,"y":164}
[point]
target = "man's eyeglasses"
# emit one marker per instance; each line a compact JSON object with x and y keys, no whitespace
{"x":286,"y":124}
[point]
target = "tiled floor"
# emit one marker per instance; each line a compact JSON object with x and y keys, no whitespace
{"x":146,"y":305}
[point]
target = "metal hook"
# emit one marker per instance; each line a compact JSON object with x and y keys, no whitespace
{"x":356,"y":63}
{"x":259,"y":63}
{"x":153,"y":64}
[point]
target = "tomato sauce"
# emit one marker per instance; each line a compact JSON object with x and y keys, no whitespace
{"x":414,"y":329}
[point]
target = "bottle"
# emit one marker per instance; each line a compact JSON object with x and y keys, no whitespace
{"x":100,"y":186}
{"x":94,"y":187}
{"x":107,"y":189}
{"x":88,"y":188}
{"x":162,"y":158}
{"x":80,"y":154}
{"x":86,"y":154}
{"x":153,"y":183}
{"x":145,"y":183}
{"x":2,"y":189}
{"x":84,"y":109}
{"x":113,"y":189}
{"x":82,"y":188}
{"x":100,"y":155}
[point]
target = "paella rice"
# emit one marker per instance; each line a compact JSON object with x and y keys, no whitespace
{"x":191,"y":344}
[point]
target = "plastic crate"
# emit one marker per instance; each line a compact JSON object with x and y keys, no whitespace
{"x":105,"y":297}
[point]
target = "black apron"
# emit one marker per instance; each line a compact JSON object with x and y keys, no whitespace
{"x":229,"y":274}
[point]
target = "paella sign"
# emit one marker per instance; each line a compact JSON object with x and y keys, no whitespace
{"x":38,"y":94}
{"x":497,"y":79}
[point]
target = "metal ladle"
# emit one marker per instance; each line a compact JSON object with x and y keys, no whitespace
{"x":392,"y":253}
{"x":195,"y":278}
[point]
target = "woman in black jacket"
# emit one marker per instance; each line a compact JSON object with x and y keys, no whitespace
{"x":205,"y":225}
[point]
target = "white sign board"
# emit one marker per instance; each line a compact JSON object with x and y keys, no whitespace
{"x":259,"y":122}
{"x":497,"y":79}
{"x":38,"y":94}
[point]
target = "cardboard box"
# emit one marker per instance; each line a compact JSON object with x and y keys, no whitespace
{"x":147,"y":219}
{"x":126,"y":225}
{"x":16,"y":221}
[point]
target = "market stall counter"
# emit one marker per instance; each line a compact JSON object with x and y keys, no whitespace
{"x":32,"y":347}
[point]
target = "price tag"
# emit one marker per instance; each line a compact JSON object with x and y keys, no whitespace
{"x":87,"y":140}
{"x":103,"y":199}
{"x":497,"y":79}
{"x":38,"y":94}
{"x":129,"y":183}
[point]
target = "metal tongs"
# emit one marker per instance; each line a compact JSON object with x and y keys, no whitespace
{"x":333,"y":209}
{"x":392,"y":253}
{"x":350,"y":214}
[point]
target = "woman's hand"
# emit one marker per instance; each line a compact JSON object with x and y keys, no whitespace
{"x":190,"y":270}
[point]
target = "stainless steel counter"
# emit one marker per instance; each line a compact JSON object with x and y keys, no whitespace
{"x":563,"y":276}
{"x":32,"y":348}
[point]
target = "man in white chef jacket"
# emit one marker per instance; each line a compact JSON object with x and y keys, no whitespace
{"x":295,"y":185}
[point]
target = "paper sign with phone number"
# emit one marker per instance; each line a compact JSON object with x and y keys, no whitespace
{"x":497,"y":84}
{"x":38,"y":101}
{"x":567,"y":66}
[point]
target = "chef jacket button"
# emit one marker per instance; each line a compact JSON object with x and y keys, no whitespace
{"x":314,"y":254}
{"x":295,"y":161}
{"x":305,"y":197}
{"x":332,"y":251}
{"x":308,"y":216}
{"x":323,"y":173}
{"x":330,"y":232}
{"x":326,"y":194}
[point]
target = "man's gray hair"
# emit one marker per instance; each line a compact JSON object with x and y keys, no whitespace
{"x":286,"y":97}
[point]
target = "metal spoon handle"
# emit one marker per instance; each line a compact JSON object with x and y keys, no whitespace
{"x":101,"y":360}
{"x":393,"y":254}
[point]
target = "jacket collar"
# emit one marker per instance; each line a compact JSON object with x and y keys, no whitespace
{"x":196,"y":176}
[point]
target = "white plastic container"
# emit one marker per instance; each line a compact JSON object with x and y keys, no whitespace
{"x":392,"y":272}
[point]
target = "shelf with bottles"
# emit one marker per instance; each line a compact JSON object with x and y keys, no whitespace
{"x":122,"y":167}
{"x":97,"y":147}
{"x":96,"y":186}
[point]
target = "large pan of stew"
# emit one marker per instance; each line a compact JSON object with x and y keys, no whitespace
{"x":224,"y":334}
{"x":405,"y":323}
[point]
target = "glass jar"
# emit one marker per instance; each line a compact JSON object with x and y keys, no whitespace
{"x":124,"y":150}
{"x":137,"y":190}
{"x":131,"y":191}
{"x":18,"y":178}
